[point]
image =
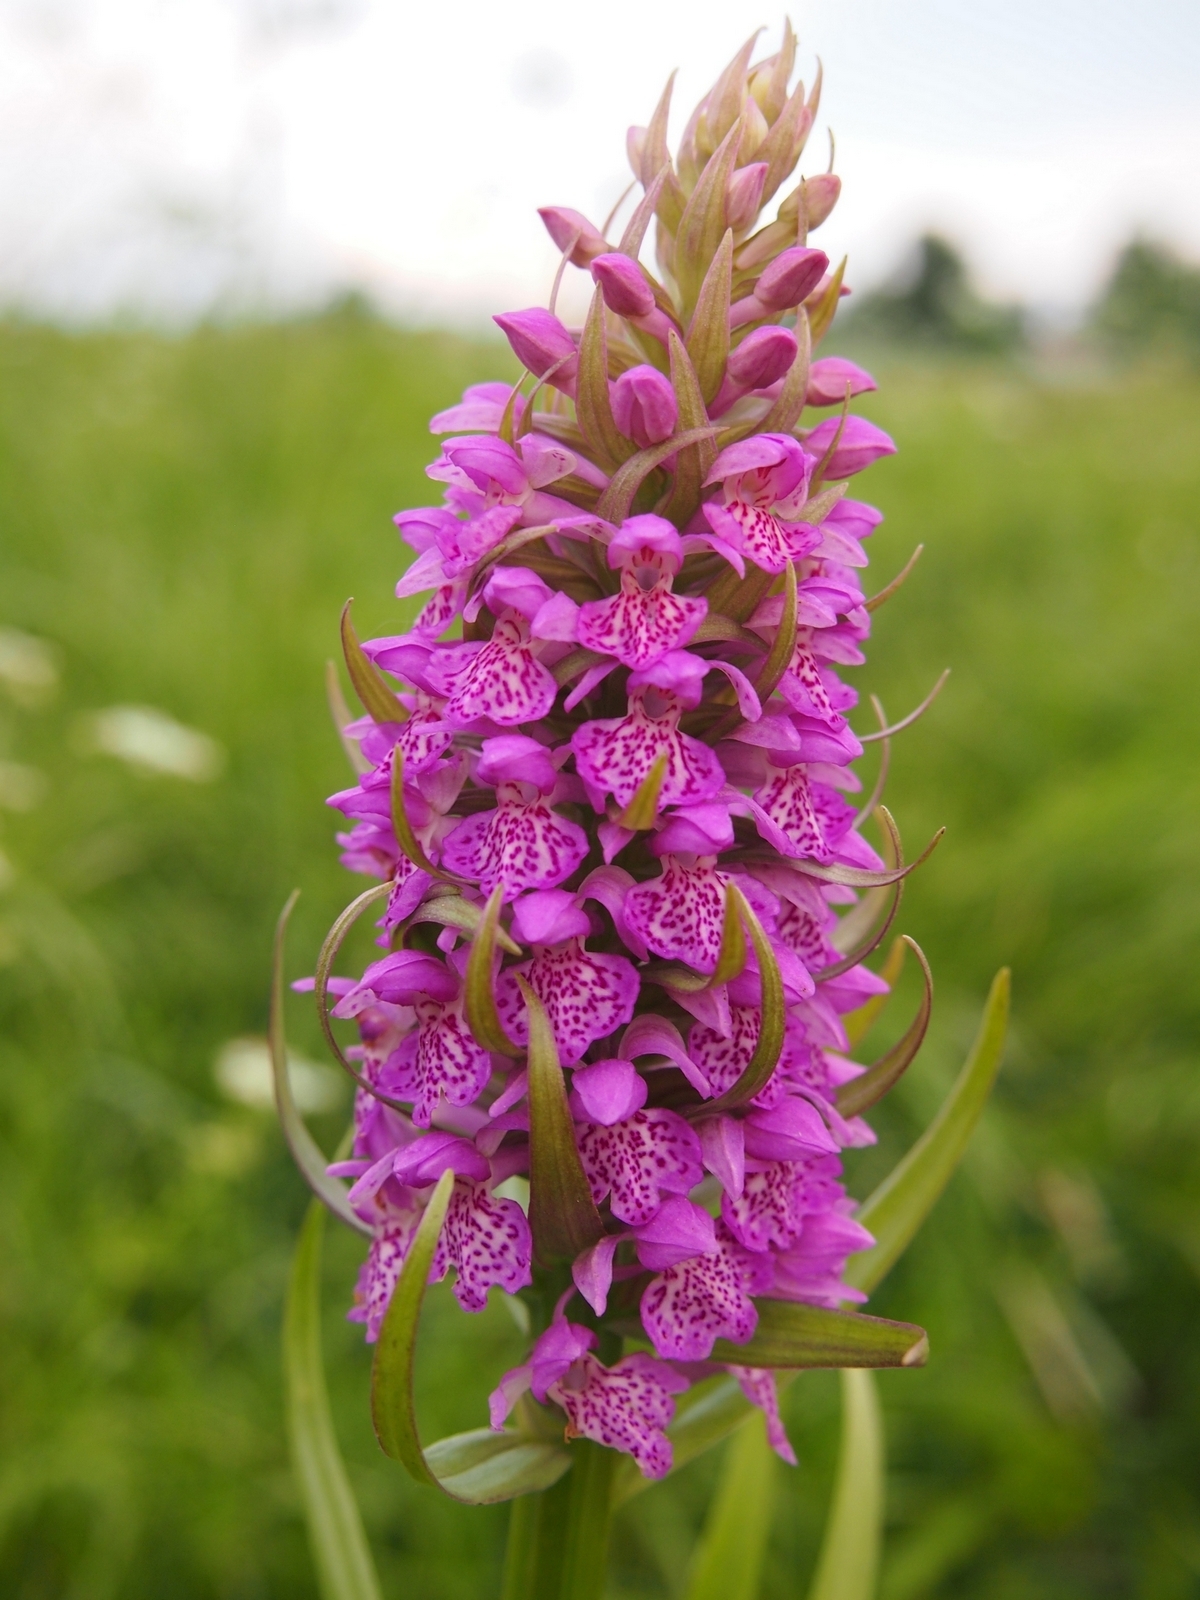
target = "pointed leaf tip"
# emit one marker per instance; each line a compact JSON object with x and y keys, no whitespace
{"x":479,"y":995}
{"x":562,"y":1213}
{"x":860,"y":1094}
{"x":370,"y":686}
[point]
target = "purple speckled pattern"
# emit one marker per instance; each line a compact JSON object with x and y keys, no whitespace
{"x":598,"y":599}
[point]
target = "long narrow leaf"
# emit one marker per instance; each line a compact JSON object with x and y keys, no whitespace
{"x":403,"y":828}
{"x":305,"y":1151}
{"x":393,"y":1410}
{"x":341,"y":1554}
{"x":798,"y":1336}
{"x":849,"y":1559}
{"x":729,"y":1559}
{"x":906,"y":1197}
{"x":562,"y":1213}
{"x":325,"y":960}
{"x":858,"y":1023}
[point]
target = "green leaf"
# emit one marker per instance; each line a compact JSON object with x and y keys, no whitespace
{"x":340,"y":712}
{"x":614,"y":504}
{"x":889,"y":589}
{"x":863,"y":929}
{"x":860,"y":1094}
{"x":562,"y":1214}
{"x":774,"y":1019}
{"x":341,"y":1554}
{"x":402,"y":827}
{"x":393,"y":1410}
{"x":642,"y":810}
{"x":708,"y":335}
{"x":731,"y":958}
{"x":486,"y":1466}
{"x":306,"y":1152}
{"x":849,"y":1559}
{"x":858,"y":1023}
{"x":692,"y":463}
{"x":798,"y":1336}
{"x":906,"y":1197}
{"x":593,"y":406}
{"x":479,"y":997}
{"x":703,"y":222}
{"x":785,"y":413}
{"x":452,"y":911}
{"x":370,"y":685}
{"x":822,"y":314}
{"x":729,"y":1558}
{"x":329,"y":954}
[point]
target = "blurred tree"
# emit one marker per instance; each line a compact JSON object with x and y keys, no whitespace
{"x":933,"y":302}
{"x":1152,"y":301}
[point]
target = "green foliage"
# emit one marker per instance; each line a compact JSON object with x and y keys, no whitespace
{"x":1151,"y":302}
{"x":934,"y":305}
{"x":183,"y":519}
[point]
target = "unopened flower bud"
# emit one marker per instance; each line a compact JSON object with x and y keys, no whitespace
{"x":644,"y":406}
{"x":829,"y":379}
{"x":761,"y":358}
{"x":790,"y":278}
{"x":743,"y":196}
{"x":563,"y":225}
{"x":540,"y":342}
{"x":820,"y":195}
{"x":623,"y":284}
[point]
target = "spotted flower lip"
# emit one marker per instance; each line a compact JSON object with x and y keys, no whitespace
{"x":608,"y":802}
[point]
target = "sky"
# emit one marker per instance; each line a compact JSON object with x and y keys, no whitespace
{"x":165,"y":159}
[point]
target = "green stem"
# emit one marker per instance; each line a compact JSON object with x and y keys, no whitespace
{"x":558,"y":1540}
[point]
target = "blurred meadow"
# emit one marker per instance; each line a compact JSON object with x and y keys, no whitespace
{"x":181,"y":519}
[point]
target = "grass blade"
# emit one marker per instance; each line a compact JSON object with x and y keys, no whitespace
{"x":729,"y":1558}
{"x":906,"y":1197}
{"x":342,"y":1556}
{"x":849,"y":1559}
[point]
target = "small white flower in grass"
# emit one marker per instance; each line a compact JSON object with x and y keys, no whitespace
{"x":152,"y":741}
{"x":28,"y":667}
{"x":243,"y":1073}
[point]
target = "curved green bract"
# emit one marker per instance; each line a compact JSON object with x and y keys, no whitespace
{"x":906,"y":1197}
{"x":393,"y":1409}
{"x":849,"y":1559}
{"x":371,"y":687}
{"x":342,"y":1556}
{"x":486,"y":1466}
{"x":860,"y":1094}
{"x":479,"y":997}
{"x":305,"y":1151}
{"x":774,"y":1017}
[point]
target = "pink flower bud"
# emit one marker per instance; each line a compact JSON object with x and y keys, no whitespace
{"x":743,"y":195}
{"x":540,"y":342}
{"x":623,"y":284}
{"x":644,"y":406}
{"x":761,"y":358}
{"x":860,"y":444}
{"x":790,"y":278}
{"x":820,"y":196}
{"x":563,"y":225}
{"x":828,"y":378}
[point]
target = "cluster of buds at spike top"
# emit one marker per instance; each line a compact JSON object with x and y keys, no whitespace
{"x":614,"y":808}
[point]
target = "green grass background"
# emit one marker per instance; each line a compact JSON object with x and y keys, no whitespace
{"x":183,"y":518}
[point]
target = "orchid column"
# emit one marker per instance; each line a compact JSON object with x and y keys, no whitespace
{"x":606,"y":782}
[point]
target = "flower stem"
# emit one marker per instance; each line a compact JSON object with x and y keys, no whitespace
{"x":558,"y":1540}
